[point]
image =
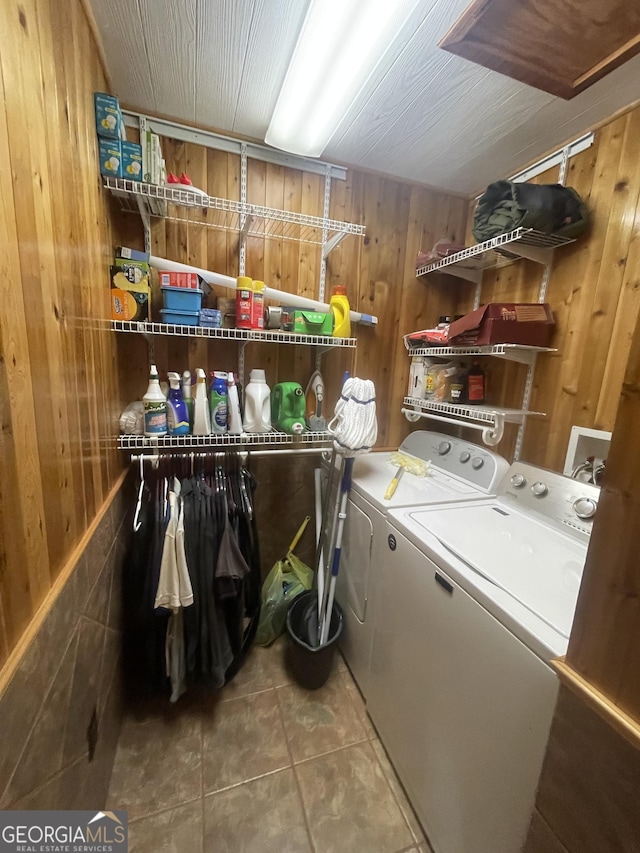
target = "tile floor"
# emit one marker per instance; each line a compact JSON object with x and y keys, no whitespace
{"x":265,"y":766}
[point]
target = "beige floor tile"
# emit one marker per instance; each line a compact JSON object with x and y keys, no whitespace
{"x":157,"y":765}
{"x":254,"y":676}
{"x":277,"y":662}
{"x":349,"y":803}
{"x":176,"y":831}
{"x":358,"y":703}
{"x":243,"y":739}
{"x":264,"y":815}
{"x":396,"y":787}
{"x":318,"y":721}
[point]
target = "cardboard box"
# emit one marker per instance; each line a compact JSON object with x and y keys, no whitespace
{"x":132,"y":254}
{"x":529,"y":324}
{"x":179,"y":279}
{"x":108,"y":115}
{"x":130,"y":300}
{"x":131,"y":160}
{"x":136,"y":272}
{"x":110,"y":158}
{"x":312,"y":323}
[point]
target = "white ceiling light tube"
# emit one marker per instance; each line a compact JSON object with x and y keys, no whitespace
{"x":340,"y":45}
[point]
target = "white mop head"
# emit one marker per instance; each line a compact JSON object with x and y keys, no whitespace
{"x":354,"y":426}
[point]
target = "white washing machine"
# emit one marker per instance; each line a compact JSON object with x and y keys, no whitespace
{"x":474,"y":602}
{"x":460,"y":471}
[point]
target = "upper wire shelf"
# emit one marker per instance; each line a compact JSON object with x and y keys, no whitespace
{"x":509,"y":352}
{"x":209,"y":211}
{"x":222,"y":440}
{"x":472,"y":261}
{"x":266,"y":336}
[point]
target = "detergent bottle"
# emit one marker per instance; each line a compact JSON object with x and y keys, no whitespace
{"x":177,"y":412}
{"x":155,"y":406}
{"x":235,"y":421}
{"x":341,"y":311}
{"x":219,"y":400}
{"x":257,"y":416}
{"x":287,"y":407}
{"x":201,"y":414}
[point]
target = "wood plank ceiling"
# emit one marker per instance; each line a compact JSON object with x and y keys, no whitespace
{"x":424,"y":115}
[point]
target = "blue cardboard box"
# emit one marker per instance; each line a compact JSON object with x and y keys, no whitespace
{"x":110,"y":158}
{"x":108,"y":115}
{"x":131,"y":160}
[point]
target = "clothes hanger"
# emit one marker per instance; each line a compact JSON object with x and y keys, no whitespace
{"x":137,"y":524}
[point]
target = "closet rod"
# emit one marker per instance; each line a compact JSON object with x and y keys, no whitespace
{"x":155,"y":457}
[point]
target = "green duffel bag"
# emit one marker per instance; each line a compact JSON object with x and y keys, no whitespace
{"x":550,"y":208}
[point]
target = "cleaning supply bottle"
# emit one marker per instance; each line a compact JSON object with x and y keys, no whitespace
{"x":341,"y":311}
{"x":244,"y":302}
{"x":155,"y":406}
{"x":314,"y":396}
{"x":287,"y":407}
{"x":186,"y":396}
{"x":235,"y":421}
{"x":475,"y":385}
{"x":177,"y":412}
{"x":218,"y":402}
{"x":258,"y":305}
{"x":201,"y":414}
{"x":257,"y":397}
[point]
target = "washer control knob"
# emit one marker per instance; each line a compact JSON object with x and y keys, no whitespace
{"x":539,"y":489}
{"x":477,"y":462}
{"x":518,"y":480}
{"x":444,"y":447}
{"x":585,"y":507}
{"x":465,"y":456}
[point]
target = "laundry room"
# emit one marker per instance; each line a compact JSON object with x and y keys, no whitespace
{"x":319,"y":357}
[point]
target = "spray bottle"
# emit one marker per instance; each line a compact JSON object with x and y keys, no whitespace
{"x":177,"y":412}
{"x":218,"y":402}
{"x":201,"y":415}
{"x":235,"y":420}
{"x":186,"y":396}
{"x":155,"y":406}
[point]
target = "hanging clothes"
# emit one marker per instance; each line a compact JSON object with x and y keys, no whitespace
{"x":192,"y":576}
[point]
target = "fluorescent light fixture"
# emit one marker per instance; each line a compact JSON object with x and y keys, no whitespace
{"x":340,"y":45}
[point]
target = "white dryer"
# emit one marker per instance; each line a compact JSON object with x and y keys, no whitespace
{"x":459,"y":471}
{"x":475,"y":601}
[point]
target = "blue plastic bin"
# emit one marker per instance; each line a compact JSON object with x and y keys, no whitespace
{"x":180,"y":318}
{"x":182,"y":298}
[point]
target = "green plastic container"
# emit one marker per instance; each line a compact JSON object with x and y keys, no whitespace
{"x":288,"y":407}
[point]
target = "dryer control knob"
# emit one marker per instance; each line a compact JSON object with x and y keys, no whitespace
{"x":539,"y":489}
{"x":518,"y":480}
{"x":477,"y":463}
{"x":465,"y":456}
{"x":585,"y":507}
{"x":444,"y":447}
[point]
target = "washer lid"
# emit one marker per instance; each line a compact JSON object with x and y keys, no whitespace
{"x":373,"y":472}
{"x":537,"y":566}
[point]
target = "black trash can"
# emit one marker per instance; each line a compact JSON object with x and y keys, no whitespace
{"x":310,"y":666}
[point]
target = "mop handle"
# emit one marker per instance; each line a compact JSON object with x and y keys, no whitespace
{"x":301,"y":530}
{"x":345,"y":488}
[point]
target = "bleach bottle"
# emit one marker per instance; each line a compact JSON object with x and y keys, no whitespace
{"x":218,"y":402}
{"x":257,"y":400}
{"x":155,"y":406}
{"x":177,"y":411}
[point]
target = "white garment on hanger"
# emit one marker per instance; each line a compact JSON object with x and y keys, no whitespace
{"x":174,"y":586}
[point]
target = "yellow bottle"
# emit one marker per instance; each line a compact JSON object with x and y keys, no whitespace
{"x":341,"y":312}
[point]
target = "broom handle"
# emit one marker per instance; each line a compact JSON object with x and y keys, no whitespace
{"x":301,"y":530}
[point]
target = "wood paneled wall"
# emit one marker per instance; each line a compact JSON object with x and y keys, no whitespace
{"x":594,"y":291}
{"x":378,"y":271}
{"x":58,"y":398}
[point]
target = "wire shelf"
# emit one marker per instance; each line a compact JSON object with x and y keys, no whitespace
{"x":256,"y":335}
{"x":509,"y":352}
{"x":252,"y":219}
{"x":522,"y":243}
{"x":481,"y":414}
{"x":224,"y":440}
